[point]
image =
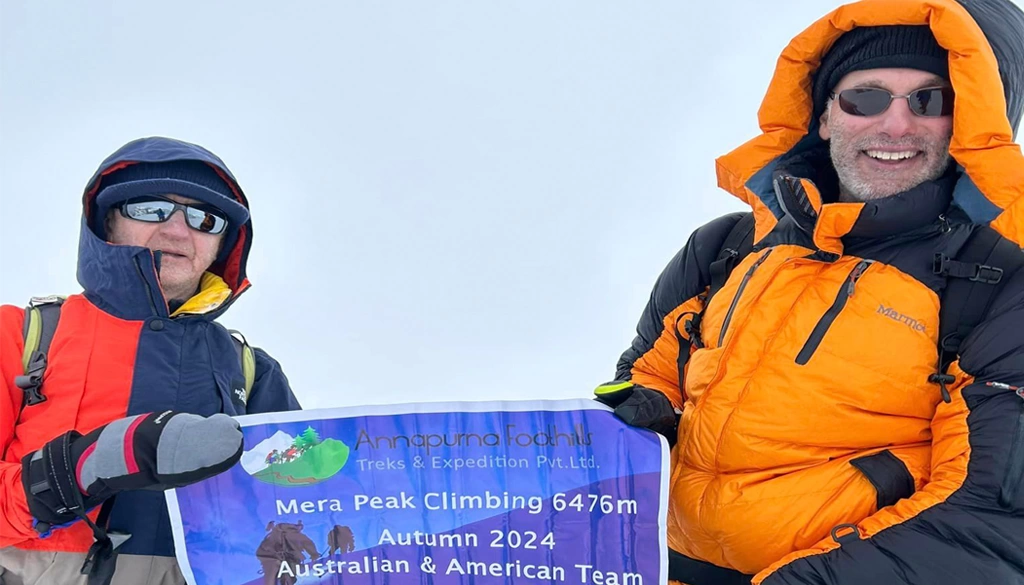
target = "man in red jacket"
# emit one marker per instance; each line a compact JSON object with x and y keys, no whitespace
{"x":138,"y":369}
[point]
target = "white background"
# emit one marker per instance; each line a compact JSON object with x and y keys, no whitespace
{"x":451,"y":200}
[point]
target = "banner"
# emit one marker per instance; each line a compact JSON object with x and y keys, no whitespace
{"x":443,"y":493}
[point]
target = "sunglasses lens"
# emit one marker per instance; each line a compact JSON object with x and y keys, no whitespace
{"x":864,"y":101}
{"x":205,"y":221}
{"x":932,"y":102}
{"x":149,"y":210}
{"x":157,"y":210}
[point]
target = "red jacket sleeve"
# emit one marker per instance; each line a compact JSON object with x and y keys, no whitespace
{"x":15,"y":520}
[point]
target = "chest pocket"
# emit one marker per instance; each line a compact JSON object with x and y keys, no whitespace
{"x":235,"y":377}
{"x":880,"y":319}
{"x":809,"y":320}
{"x":846,"y":290}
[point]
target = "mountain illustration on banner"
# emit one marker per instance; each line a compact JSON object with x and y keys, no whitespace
{"x":295,"y":461}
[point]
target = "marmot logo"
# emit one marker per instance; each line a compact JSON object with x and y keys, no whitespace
{"x":901,"y":318}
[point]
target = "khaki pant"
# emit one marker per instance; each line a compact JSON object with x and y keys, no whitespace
{"x":34,"y":567}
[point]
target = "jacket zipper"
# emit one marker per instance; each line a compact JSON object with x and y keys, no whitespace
{"x":845,"y":292}
{"x":153,"y":303}
{"x":149,"y":288}
{"x":739,"y":293}
{"x":1015,"y":470}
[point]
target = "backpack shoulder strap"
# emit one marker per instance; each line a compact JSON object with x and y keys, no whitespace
{"x":247,"y":357}
{"x":41,"y":316}
{"x":984,"y":263}
{"x":737,"y":245}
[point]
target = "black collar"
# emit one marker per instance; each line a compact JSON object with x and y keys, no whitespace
{"x":904,"y":212}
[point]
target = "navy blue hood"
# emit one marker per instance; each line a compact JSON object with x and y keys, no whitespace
{"x":123,"y":279}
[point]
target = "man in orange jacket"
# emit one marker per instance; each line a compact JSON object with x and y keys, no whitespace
{"x":828,"y":426}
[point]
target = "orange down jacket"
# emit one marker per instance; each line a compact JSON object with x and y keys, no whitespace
{"x":812,"y":447}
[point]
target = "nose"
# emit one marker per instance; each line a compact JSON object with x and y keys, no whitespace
{"x":175,"y":225}
{"x":898,"y":120}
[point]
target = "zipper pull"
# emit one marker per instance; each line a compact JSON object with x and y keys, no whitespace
{"x":945,"y":223}
{"x":858,"y":271}
{"x":1019,"y":391}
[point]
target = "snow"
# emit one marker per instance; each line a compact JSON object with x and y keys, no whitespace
{"x":254,"y":460}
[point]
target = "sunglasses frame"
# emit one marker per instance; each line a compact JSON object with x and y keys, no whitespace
{"x":183,"y":207}
{"x":947,"y":94}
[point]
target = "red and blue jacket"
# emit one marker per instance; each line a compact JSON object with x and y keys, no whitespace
{"x":119,"y":350}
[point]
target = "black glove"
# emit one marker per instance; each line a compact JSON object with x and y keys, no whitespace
{"x":157,"y":451}
{"x":640,"y":407}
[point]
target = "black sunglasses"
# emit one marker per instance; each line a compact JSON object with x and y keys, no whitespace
{"x":929,"y":102}
{"x":152,"y":209}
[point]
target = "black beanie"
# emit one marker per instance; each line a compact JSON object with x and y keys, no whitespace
{"x":876,"y":47}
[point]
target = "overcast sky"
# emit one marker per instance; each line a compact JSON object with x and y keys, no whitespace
{"x":451,"y":200}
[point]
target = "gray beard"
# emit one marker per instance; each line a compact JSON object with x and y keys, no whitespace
{"x":853,"y":188}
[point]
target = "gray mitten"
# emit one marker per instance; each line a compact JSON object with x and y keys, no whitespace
{"x":154,"y":451}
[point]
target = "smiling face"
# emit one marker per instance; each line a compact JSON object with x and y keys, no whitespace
{"x":186,"y":253}
{"x":886,"y":154}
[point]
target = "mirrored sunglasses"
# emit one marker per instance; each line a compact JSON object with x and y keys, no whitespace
{"x":152,"y":209}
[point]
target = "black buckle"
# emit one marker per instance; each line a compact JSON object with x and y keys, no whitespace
{"x":32,"y":381}
{"x":943,"y":265}
{"x":987,"y":274}
{"x":692,"y":328}
{"x":30,"y":385}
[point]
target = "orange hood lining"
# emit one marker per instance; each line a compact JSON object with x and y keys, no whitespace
{"x":982,"y":140}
